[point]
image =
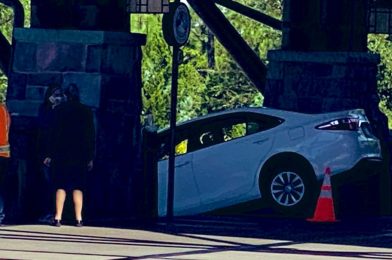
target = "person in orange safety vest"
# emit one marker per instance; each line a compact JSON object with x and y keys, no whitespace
{"x":5,"y":122}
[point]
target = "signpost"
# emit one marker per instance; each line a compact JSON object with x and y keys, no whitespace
{"x":176,"y":27}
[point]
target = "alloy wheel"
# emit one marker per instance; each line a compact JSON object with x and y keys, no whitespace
{"x":287,"y":188}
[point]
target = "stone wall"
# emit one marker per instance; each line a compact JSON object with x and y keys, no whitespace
{"x":315,"y":82}
{"x":107,"y":68}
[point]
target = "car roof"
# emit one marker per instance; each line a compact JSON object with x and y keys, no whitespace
{"x":259,"y":110}
{"x":283,"y":114}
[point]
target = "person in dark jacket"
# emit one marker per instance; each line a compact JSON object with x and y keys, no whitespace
{"x":71,"y":151}
{"x":54,"y":96}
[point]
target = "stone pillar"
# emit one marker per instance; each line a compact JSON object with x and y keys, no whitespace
{"x":318,"y":82}
{"x":324,"y":66}
{"x":107,"y":68}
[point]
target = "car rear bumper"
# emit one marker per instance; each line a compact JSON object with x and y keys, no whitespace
{"x":357,"y":191}
{"x":366,"y":168}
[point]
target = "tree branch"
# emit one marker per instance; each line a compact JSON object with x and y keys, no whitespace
{"x":242,"y":53}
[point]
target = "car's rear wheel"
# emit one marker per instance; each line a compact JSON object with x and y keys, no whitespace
{"x":290,"y":188}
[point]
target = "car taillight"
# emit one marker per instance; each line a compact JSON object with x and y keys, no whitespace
{"x":350,"y":124}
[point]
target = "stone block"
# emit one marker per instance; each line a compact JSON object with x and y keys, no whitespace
{"x":361,"y":71}
{"x":23,"y":107}
{"x":120,"y":107}
{"x":275,"y":70}
{"x":119,"y":59}
{"x":117,"y":87}
{"x":50,"y":35}
{"x":323,"y":57}
{"x":24,"y":57}
{"x":77,"y":36}
{"x":44,"y":79}
{"x":129,"y":39}
{"x":292,"y":70}
{"x":16,"y":86}
{"x":337,"y":104}
{"x":89,"y":85}
{"x":60,"y":57}
{"x":339,"y":71}
{"x":87,"y":15}
{"x":334,"y":88}
{"x":312,"y":87}
{"x":310,"y":105}
{"x":34,"y":92}
{"x":22,"y":139}
{"x":95,"y":56}
{"x":317,"y":70}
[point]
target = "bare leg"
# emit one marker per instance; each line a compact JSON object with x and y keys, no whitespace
{"x":78,"y":203}
{"x":60,"y":198}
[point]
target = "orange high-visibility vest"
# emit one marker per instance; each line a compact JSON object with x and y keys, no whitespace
{"x":5,"y":122}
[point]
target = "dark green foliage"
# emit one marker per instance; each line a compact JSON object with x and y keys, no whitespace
{"x":202,"y":88}
{"x":6,"y":26}
{"x":382,"y":45}
{"x":208,"y":86}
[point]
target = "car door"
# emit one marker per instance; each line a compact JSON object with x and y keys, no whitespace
{"x":186,"y":194}
{"x":225,"y":169}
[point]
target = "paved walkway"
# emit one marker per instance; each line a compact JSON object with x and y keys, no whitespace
{"x":212,"y":239}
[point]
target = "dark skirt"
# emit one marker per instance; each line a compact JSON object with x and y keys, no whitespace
{"x":70,"y":176}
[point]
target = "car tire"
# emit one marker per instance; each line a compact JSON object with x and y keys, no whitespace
{"x":290,"y":188}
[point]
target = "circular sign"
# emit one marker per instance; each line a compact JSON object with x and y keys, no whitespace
{"x":176,"y":24}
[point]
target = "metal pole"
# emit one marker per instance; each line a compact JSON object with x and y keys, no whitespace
{"x":173,"y":118}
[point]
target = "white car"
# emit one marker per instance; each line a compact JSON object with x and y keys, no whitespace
{"x":240,"y":155}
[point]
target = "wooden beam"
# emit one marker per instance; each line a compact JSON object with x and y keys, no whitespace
{"x":251,"y":13}
{"x":228,"y":36}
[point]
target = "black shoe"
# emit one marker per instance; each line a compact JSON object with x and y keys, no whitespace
{"x":56,"y":223}
{"x":79,"y":223}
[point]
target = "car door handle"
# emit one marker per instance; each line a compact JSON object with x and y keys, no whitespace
{"x":182,"y":164}
{"x":261,"y":141}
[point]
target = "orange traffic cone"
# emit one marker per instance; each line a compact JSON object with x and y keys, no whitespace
{"x":325,"y":211}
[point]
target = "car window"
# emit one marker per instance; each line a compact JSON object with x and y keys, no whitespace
{"x":253,"y":127}
{"x":258,"y":122}
{"x":182,"y":147}
{"x":208,"y":137}
{"x":216,"y":130}
{"x":225,"y":129}
{"x":234,"y":131}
